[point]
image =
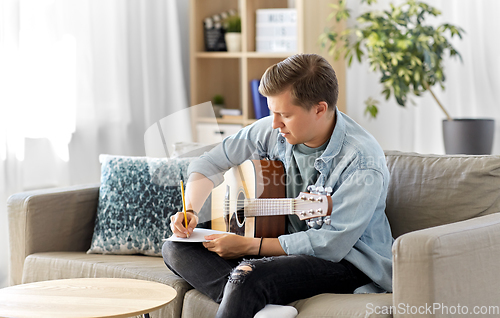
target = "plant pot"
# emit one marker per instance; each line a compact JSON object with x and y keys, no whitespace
{"x":217,"y":108}
{"x":468,"y":136}
{"x":233,"y":41}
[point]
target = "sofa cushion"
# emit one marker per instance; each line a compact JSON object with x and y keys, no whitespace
{"x":137,"y":196}
{"x":431,"y":190}
{"x":197,"y":305}
{"x":346,"y":306}
{"x":63,"y":265}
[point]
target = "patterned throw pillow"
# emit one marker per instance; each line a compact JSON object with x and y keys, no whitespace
{"x":137,"y":196}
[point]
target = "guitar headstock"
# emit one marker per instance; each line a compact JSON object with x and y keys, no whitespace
{"x":312,"y":205}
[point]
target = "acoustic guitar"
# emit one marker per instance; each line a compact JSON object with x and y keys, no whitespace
{"x":251,"y":201}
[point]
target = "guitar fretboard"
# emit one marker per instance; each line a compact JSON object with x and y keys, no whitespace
{"x":268,"y":207}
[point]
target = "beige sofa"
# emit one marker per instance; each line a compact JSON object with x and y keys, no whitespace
{"x":442,"y":211}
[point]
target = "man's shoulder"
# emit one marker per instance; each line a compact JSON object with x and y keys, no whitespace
{"x":259,"y":130}
{"x":264,"y":123}
{"x":360,"y":142}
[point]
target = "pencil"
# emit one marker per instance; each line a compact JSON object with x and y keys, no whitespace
{"x":184,"y":207}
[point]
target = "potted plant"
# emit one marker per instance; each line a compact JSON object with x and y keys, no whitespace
{"x":408,"y":55}
{"x":232,"y":26}
{"x":218,"y":104}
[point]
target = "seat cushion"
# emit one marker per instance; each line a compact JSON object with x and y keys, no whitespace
{"x":345,"y":306}
{"x":198,"y":305}
{"x":62,"y":265}
{"x":432,"y":190}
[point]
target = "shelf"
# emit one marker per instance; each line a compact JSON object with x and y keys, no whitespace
{"x":208,"y":55}
{"x":279,"y":55}
{"x":230,"y":73}
{"x":225,"y":121}
{"x":218,"y":55}
{"x":208,"y":120}
{"x":249,"y":121}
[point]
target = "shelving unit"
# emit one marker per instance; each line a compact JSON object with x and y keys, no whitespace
{"x":229,"y":73}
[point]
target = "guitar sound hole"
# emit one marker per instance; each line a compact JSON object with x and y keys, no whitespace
{"x":240,"y":208}
{"x":237,"y":223}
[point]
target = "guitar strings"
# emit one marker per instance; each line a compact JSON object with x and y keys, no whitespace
{"x":275,"y":206}
{"x":271,"y":202}
{"x":250,"y":204}
{"x":265,"y":205}
{"x":267,"y":200}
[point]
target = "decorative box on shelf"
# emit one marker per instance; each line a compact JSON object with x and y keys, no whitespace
{"x":276,"y":30}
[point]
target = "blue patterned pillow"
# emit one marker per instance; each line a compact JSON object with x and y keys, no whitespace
{"x":136,"y":198}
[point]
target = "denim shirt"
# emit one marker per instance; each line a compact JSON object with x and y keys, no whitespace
{"x":354,"y":165}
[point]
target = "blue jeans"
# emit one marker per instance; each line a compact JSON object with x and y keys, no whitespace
{"x":245,"y":286}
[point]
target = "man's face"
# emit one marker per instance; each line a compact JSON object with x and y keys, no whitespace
{"x":296,"y":124}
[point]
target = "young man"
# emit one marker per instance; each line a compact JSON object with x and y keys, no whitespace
{"x":317,"y":145}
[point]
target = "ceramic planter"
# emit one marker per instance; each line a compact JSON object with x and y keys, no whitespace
{"x":233,"y":41}
{"x":468,"y":136}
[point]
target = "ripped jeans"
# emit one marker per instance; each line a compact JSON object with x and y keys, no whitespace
{"x":245,"y":286}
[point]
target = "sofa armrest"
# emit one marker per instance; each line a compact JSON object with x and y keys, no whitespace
{"x":50,"y":220}
{"x":454,"y":265}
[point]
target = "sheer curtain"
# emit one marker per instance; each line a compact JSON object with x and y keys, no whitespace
{"x":472,"y":87}
{"x":79,"y":78}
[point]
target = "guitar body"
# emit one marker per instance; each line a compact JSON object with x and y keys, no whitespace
{"x":254,"y":179}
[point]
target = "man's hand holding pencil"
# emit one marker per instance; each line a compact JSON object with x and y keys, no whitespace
{"x":180,"y":219}
{"x":177,"y":224}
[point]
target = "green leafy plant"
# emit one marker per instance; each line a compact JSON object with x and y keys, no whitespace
{"x":233,"y":24}
{"x":218,"y":100}
{"x":407,"y":53}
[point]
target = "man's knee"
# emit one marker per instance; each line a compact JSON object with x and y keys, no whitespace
{"x":246,"y":268}
{"x":172,"y":256}
{"x":240,"y":272}
{"x":169,"y":251}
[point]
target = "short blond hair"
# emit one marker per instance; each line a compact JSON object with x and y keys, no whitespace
{"x":310,"y":78}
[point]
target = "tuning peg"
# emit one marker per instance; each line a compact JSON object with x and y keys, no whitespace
{"x":327,"y":220}
{"x":329,"y":191}
{"x":311,"y":223}
{"x":320,"y":190}
{"x":311,"y":188}
{"x":319,"y":221}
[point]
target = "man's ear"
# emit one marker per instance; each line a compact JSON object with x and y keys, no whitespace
{"x":321,"y":108}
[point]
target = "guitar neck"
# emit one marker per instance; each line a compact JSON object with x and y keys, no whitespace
{"x":269,"y":207}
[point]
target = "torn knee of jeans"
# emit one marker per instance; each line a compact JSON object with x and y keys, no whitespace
{"x":240,"y":272}
{"x":267,"y":259}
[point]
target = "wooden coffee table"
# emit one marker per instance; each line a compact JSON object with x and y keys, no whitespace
{"x":84,"y":297}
